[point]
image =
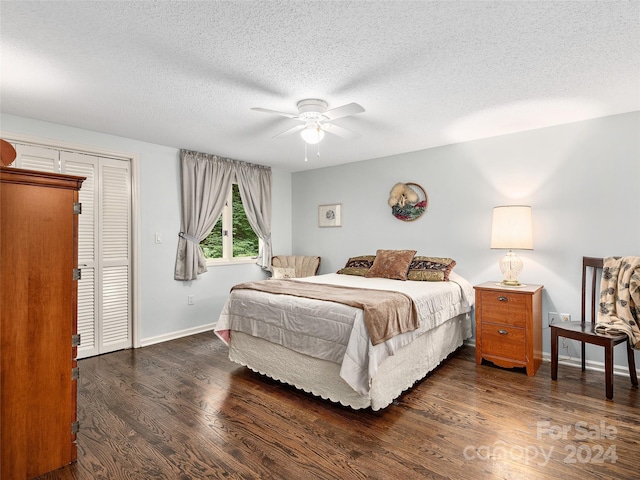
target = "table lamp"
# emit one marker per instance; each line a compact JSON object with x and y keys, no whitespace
{"x":511,"y":229}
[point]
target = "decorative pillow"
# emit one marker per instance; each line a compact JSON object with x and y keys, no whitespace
{"x":280,"y":273}
{"x":358,"y":265}
{"x":391,"y":264}
{"x":430,"y":269}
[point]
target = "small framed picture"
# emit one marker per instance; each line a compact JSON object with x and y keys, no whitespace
{"x":330,"y":215}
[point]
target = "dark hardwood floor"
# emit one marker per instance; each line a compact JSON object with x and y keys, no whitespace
{"x":182,"y":410}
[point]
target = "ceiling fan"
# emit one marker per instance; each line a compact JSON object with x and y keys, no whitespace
{"x":316,"y":119}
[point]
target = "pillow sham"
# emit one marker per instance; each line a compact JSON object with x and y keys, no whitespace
{"x":430,"y":269}
{"x":280,"y":273}
{"x":358,"y":265}
{"x":392,"y":264}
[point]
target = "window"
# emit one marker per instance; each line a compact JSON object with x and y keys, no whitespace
{"x":232,"y":238}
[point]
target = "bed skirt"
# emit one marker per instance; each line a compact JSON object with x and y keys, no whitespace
{"x":396,"y":374}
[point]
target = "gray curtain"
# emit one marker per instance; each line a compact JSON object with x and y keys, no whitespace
{"x":254,"y":184}
{"x":206,"y":183}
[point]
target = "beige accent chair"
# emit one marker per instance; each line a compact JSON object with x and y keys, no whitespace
{"x":304,"y":266}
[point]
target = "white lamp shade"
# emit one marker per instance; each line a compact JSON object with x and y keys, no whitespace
{"x":312,"y":134}
{"x":512,"y":228}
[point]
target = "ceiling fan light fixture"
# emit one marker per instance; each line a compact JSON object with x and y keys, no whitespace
{"x":312,"y":134}
{"x":316,"y":119}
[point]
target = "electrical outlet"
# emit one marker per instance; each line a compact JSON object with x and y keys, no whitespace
{"x":554,"y":317}
{"x":190,"y":300}
{"x":566,"y":317}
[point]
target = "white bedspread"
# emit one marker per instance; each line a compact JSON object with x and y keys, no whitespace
{"x":336,"y":332}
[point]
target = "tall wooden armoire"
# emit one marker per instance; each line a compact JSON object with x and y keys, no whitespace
{"x":38,"y":321}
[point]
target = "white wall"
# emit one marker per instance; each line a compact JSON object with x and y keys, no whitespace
{"x":581,"y":179}
{"x":164,"y":312}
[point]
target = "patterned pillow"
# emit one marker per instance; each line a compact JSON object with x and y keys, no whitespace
{"x":281,"y":273}
{"x":358,"y":265}
{"x":431,"y":269}
{"x":391,"y":264}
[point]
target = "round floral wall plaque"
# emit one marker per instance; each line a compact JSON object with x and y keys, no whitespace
{"x":408,"y":201}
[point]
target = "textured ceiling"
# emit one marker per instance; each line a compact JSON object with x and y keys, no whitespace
{"x":428,"y":73}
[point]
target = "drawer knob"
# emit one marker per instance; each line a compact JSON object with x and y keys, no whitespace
{"x":503,"y":332}
{"x":503,"y":299}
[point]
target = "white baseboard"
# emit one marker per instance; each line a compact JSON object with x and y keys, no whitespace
{"x":145,"y":342}
{"x":575,"y":362}
{"x":622,"y":370}
{"x":546,"y":357}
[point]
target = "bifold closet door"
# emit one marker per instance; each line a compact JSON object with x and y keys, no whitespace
{"x":36,"y":157}
{"x":115,"y":255}
{"x":104,"y":245}
{"x":104,"y":253}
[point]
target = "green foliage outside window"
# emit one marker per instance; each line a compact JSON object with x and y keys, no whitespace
{"x":212,"y":245}
{"x":245,"y":241}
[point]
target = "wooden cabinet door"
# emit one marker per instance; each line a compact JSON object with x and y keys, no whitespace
{"x":38,"y":251}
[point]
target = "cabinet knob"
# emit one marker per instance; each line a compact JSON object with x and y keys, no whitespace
{"x":503,"y":332}
{"x":503,"y":299}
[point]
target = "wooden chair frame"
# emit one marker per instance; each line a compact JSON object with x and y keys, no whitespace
{"x":584,"y":331}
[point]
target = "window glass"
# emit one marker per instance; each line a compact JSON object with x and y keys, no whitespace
{"x":212,"y":245}
{"x":232,"y":237}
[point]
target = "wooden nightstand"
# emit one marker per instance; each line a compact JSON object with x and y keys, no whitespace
{"x":509,"y":325}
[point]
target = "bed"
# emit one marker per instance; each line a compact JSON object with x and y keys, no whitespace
{"x":325,"y":348}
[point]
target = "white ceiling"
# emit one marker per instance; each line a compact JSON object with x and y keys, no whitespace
{"x":428,"y":73}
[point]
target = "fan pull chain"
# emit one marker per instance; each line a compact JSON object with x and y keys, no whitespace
{"x":305,"y":151}
{"x":318,"y":154}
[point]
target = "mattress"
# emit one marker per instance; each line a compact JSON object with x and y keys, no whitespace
{"x":334,"y":332}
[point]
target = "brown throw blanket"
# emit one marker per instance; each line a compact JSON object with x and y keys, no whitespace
{"x":620,"y":298}
{"x":386,"y":313}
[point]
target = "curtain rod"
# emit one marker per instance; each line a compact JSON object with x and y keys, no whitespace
{"x":211,"y":156}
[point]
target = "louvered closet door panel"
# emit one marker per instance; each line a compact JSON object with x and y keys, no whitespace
{"x":32,"y":157}
{"x":115,"y":254}
{"x":88,"y":242}
{"x":104,"y":243}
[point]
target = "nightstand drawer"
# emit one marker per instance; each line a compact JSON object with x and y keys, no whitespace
{"x":504,"y":308}
{"x":503,"y":341}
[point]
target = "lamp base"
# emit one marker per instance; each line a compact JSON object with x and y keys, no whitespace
{"x":510,"y":266}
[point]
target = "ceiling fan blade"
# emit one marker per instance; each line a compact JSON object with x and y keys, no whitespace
{"x":284,"y":114}
{"x":339,"y":131}
{"x":343,"y":111}
{"x":295,"y":129}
